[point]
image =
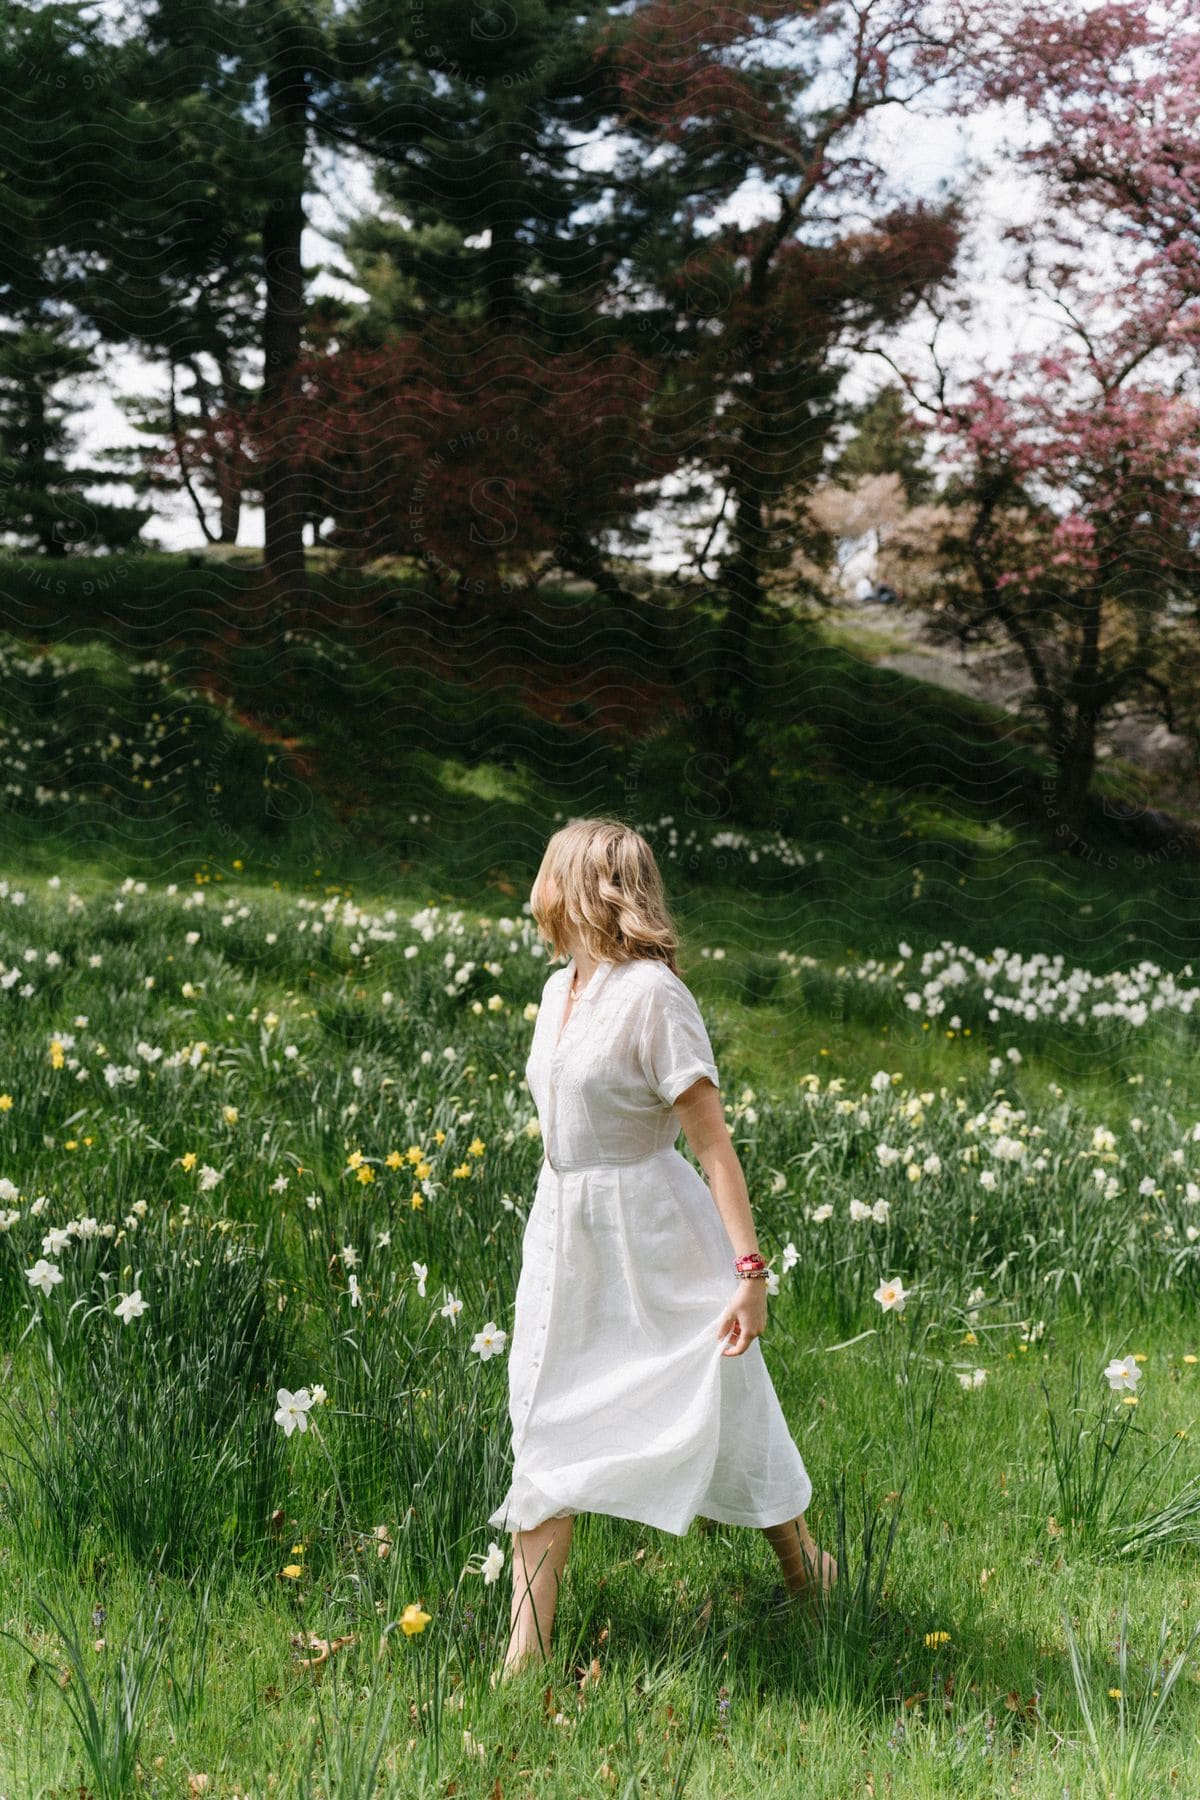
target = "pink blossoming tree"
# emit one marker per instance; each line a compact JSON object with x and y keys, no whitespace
{"x":1073,"y":520}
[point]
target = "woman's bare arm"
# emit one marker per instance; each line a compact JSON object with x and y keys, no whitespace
{"x":703,"y":1119}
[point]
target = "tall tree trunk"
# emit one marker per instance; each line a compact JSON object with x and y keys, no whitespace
{"x":1075,"y":765}
{"x":502,"y":259}
{"x":228,"y":490}
{"x":285,"y":577}
{"x":38,"y":466}
{"x":734,"y":682}
{"x":230,"y":515}
{"x":1075,"y":749}
{"x":735,"y":698}
{"x":744,"y":585}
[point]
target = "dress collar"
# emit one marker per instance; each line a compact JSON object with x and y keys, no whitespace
{"x":594,"y":982}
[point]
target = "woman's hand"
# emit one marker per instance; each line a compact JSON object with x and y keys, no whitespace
{"x":745,"y":1318}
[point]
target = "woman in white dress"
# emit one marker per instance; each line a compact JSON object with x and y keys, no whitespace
{"x":637,"y":1385}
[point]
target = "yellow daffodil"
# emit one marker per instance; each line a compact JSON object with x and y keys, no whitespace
{"x":417,"y":1201}
{"x":6,"y":1101}
{"x":393,"y":1159}
{"x":293,"y":1571}
{"x":476,"y":1147}
{"x":412,"y":1619}
{"x":934,"y":1638}
{"x":188,"y":1161}
{"x":366,"y":1174}
{"x":354,"y":1160}
{"x":415,"y":1154}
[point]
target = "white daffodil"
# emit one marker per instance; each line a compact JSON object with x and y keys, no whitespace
{"x":452,"y":1308}
{"x":1123,"y":1373}
{"x":975,"y":1379}
{"x":43,"y":1275}
{"x":493,"y":1563}
{"x":791,"y":1256}
{"x":891,"y":1295}
{"x":130,"y":1306}
{"x":421,"y":1272}
{"x":293,"y":1410}
{"x":488,"y":1342}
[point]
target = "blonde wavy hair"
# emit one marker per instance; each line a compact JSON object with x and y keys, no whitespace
{"x":605,"y":885}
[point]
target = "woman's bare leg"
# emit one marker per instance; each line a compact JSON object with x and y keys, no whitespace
{"x":538,"y":1560}
{"x":805,"y":1568}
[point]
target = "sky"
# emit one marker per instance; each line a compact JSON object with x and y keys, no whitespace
{"x":919,"y":155}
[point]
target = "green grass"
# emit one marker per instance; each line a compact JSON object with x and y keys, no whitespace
{"x":148,"y":1501}
{"x":144,"y":1474}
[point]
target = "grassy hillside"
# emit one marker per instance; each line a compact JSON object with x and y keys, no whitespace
{"x":268,"y":983}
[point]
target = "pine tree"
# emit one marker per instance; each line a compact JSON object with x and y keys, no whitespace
{"x":886,"y":441}
{"x":43,"y":503}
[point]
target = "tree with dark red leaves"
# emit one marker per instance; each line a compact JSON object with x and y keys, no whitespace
{"x":755,"y":315}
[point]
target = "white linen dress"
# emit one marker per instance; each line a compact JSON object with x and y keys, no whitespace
{"x":620,"y":1398}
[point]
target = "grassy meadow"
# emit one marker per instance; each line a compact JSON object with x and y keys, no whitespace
{"x":266,"y":1153}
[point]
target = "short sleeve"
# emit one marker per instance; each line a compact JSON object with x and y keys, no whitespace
{"x":673,"y":1046}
